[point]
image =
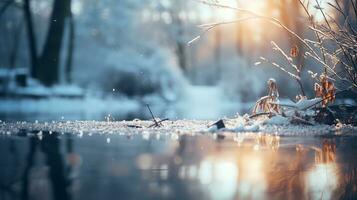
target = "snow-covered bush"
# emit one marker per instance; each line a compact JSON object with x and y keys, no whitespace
{"x":115,"y":51}
{"x":139,"y":75}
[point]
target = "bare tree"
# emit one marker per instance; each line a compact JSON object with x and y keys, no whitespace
{"x":177,"y":31}
{"x":239,"y":35}
{"x":49,"y":63}
{"x":4,"y":6}
{"x":31,"y":38}
{"x":71,"y":38}
{"x":45,"y":66}
{"x":217,"y":53}
{"x":342,"y":40}
{"x":15,"y":46}
{"x":11,"y":30}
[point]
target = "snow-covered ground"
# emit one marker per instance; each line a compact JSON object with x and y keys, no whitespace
{"x":174,"y":128}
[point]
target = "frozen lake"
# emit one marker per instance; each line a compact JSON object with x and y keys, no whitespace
{"x":164,"y":164}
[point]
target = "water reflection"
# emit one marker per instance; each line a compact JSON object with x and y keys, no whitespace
{"x":245,"y":166}
{"x":46,"y":145}
{"x":322,"y":179}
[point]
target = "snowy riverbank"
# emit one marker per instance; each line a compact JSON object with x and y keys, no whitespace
{"x":173,"y":128}
{"x":196,"y":102}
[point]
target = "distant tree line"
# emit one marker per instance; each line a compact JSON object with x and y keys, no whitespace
{"x":45,"y":62}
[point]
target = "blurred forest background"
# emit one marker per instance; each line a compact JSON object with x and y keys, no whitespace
{"x":73,"y":56}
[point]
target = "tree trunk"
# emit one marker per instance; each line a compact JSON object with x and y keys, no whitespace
{"x":48,"y":72}
{"x":15,"y":47}
{"x":31,"y":39}
{"x":217,"y":54}
{"x":180,"y":43}
{"x":239,"y":33}
{"x":181,"y":54}
{"x":5,"y":6}
{"x":71,"y":38}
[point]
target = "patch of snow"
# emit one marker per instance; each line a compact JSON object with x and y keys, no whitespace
{"x":70,"y":90}
{"x":172,"y":129}
{"x":6,"y":72}
{"x":252,"y":128}
{"x":212,"y":129}
{"x":33,"y":91}
{"x":241,"y":127}
{"x":304,"y":104}
{"x":277,"y":120}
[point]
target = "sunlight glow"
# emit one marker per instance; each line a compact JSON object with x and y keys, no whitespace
{"x":220,"y":176}
{"x":224,"y":14}
{"x":315,"y":9}
{"x":252,"y":182}
{"x":322,"y":181}
{"x":257,"y":6}
{"x":77,"y":7}
{"x":228,"y":177}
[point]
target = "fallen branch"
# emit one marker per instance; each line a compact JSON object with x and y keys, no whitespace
{"x":159,"y":122}
{"x":156,"y":123}
{"x":299,"y":120}
{"x":260,"y":114}
{"x":283,"y":105}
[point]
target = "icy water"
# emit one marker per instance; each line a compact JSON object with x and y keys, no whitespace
{"x":164,"y":166}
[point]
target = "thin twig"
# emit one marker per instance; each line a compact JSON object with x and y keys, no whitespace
{"x":159,"y":122}
{"x":325,"y":98}
{"x":258,"y":16}
{"x":152,"y":115}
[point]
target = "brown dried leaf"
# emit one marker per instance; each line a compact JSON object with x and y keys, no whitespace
{"x":294,"y":51}
{"x":268,"y":103}
{"x":325,"y":90}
